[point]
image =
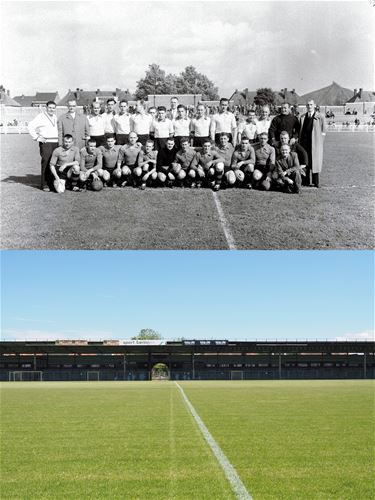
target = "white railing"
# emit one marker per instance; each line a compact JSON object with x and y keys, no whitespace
{"x":351,"y":128}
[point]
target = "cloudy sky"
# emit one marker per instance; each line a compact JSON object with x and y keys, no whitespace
{"x":211,"y":294}
{"x":49,"y":46}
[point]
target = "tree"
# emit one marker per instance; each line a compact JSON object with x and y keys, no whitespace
{"x":265,"y":96}
{"x":147,"y":334}
{"x":155,"y":82}
{"x":192,"y":82}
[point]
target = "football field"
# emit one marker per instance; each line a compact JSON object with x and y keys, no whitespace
{"x":338,"y":215}
{"x":140,"y":440}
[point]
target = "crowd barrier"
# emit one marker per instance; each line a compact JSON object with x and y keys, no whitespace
{"x":270,"y":373}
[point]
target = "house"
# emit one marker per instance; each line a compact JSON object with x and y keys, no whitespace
{"x":362,"y":101}
{"x":39,"y":99}
{"x":333,"y":95}
{"x":87,"y":97}
{"x":243,"y":98}
{"x":285,"y":95}
{"x":6,"y":100}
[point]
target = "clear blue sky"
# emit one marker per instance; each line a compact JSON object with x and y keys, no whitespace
{"x":234,"y":295}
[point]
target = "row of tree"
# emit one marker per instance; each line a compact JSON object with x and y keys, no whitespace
{"x":190,"y":81}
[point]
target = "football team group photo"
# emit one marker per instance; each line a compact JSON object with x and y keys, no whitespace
{"x":178,"y":147}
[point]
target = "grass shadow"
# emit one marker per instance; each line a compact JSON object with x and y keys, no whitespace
{"x":31,"y":180}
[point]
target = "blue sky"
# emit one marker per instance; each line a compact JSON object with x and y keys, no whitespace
{"x":49,"y":46}
{"x":212,"y":294}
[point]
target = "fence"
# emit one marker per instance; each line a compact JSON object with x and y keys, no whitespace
{"x":23,"y":115}
{"x":268,"y":373}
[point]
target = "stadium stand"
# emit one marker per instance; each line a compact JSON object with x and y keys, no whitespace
{"x":187,"y":360}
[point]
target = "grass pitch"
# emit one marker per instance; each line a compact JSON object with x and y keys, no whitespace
{"x":287,"y":439}
{"x":339,"y":215}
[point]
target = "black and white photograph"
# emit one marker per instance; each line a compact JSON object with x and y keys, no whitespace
{"x":187,"y":125}
{"x":187,"y":250}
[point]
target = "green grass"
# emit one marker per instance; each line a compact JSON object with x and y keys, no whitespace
{"x":295,"y":439}
{"x":336,"y":216}
{"x":105,"y":440}
{"x":287,"y":439}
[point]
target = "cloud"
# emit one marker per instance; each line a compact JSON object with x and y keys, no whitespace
{"x":313,"y":52}
{"x":21,"y":335}
{"x":367,"y":336}
{"x":30,"y":320}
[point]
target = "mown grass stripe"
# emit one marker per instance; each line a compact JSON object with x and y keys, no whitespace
{"x":230,"y":472}
{"x":224,"y":223}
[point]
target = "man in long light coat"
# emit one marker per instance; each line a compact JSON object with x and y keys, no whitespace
{"x":75,"y":124}
{"x":312,"y":134}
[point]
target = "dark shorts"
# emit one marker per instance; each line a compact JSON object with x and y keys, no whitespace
{"x":121,"y":139}
{"x":142,"y":138}
{"x":199,"y":141}
{"x":160,"y":143}
{"x":99,"y":139}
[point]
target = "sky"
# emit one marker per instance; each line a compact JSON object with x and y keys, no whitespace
{"x":255,"y":295}
{"x":305,"y":45}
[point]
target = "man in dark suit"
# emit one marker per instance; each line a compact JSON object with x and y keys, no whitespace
{"x":75,"y":124}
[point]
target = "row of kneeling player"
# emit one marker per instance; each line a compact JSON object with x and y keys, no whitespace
{"x":259,"y":166}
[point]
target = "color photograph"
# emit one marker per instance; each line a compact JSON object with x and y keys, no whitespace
{"x":148,"y":375}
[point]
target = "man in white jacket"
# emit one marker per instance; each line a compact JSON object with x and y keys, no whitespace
{"x":43,"y":129}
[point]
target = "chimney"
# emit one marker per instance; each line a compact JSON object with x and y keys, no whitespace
{"x":360,"y":93}
{"x":355,"y":92}
{"x":8,"y":92}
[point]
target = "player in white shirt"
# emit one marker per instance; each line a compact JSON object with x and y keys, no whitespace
{"x":43,"y":129}
{"x":140,"y":123}
{"x":122,"y":124}
{"x":200,"y":127}
{"x":181,"y":126}
{"x":224,"y":121}
{"x":161,"y":128}
{"x":108,"y":117}
{"x":248,"y":128}
{"x":96,"y":124}
{"x":263,"y":124}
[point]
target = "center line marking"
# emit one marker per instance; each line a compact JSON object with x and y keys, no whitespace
{"x":230,"y":472}
{"x":224,"y":223}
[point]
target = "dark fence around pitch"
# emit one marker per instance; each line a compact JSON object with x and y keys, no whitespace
{"x":76,"y":375}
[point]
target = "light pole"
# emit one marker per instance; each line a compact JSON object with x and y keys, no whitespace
{"x":156,"y":82}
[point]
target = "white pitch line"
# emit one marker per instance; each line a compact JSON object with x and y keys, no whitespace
{"x":230,"y":472}
{"x":224,"y":223}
